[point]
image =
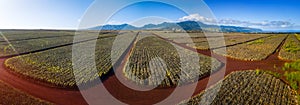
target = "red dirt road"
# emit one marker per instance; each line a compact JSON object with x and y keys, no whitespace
{"x":55,"y":95}
{"x":130,"y":96}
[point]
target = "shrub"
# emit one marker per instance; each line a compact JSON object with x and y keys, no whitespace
{"x":257,"y":71}
{"x":294,"y":85}
{"x":293,"y":65}
{"x":293,"y":78}
{"x":291,"y":47}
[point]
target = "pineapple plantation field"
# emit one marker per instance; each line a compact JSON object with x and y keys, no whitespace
{"x":248,"y":88}
{"x":166,"y":64}
{"x":42,"y":59}
{"x":55,"y":66}
{"x":291,"y":48}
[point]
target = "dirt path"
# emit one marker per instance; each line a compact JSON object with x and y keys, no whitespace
{"x":127,"y":95}
{"x":59,"y":96}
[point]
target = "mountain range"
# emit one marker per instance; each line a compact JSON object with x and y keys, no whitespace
{"x":180,"y":26}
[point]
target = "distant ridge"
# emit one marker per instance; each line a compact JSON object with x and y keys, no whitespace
{"x":284,"y":31}
{"x":180,"y":26}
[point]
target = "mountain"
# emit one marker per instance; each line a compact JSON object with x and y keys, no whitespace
{"x":115,"y":27}
{"x":239,"y":29}
{"x":180,"y":26}
{"x":283,"y":31}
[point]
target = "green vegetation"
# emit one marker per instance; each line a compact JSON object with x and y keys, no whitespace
{"x":257,"y":71}
{"x":255,"y":50}
{"x":55,"y":67}
{"x":167,"y":64}
{"x":35,"y":34}
{"x":292,"y":66}
{"x":246,"y":88}
{"x":23,"y":46}
{"x":200,"y":41}
{"x":291,"y":49}
{"x":17,"y":42}
{"x":293,"y":78}
{"x":292,"y":73}
{"x":275,"y":74}
{"x":259,"y":41}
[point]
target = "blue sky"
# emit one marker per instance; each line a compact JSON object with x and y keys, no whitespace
{"x":36,"y":14}
{"x":257,"y":10}
{"x":66,"y":14}
{"x":137,"y":13}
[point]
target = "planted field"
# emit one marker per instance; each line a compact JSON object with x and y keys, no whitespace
{"x":154,"y":61}
{"x":255,"y":50}
{"x":14,"y":35}
{"x":210,"y":43}
{"x":11,"y":96}
{"x":291,"y":49}
{"x":29,"y":42}
{"x":55,"y":66}
{"x":292,"y":72}
{"x":247,"y":88}
{"x":23,"y":46}
{"x":17,"y":35}
{"x":174,"y":36}
{"x":200,"y":41}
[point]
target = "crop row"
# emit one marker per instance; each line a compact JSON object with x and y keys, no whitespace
{"x":11,"y":96}
{"x":247,"y":88}
{"x":255,"y":50}
{"x":155,"y":61}
{"x":17,"y":35}
{"x":179,"y":35}
{"x":14,"y":35}
{"x":210,"y":40}
{"x":55,"y":66}
{"x":175,"y":36}
{"x":291,"y":49}
{"x":211,"y":43}
{"x":33,"y":43}
{"x":22,"y":46}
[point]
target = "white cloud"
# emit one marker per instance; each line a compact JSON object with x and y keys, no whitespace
{"x":263,"y":24}
{"x":233,"y":22}
{"x":197,"y":17}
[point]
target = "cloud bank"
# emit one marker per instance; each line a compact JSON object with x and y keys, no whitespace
{"x":197,"y":17}
{"x":233,"y":22}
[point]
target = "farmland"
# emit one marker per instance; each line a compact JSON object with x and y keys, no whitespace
{"x":255,"y":50}
{"x":15,"y":35}
{"x":55,"y":66}
{"x":247,"y":87}
{"x":9,"y":95}
{"x":200,"y":41}
{"x":290,"y":49}
{"x":291,"y":73}
{"x":166,"y":63}
{"x":154,"y":58}
{"x":14,"y":43}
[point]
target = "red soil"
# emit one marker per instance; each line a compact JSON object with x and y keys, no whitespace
{"x":130,"y":96}
{"x":55,"y":95}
